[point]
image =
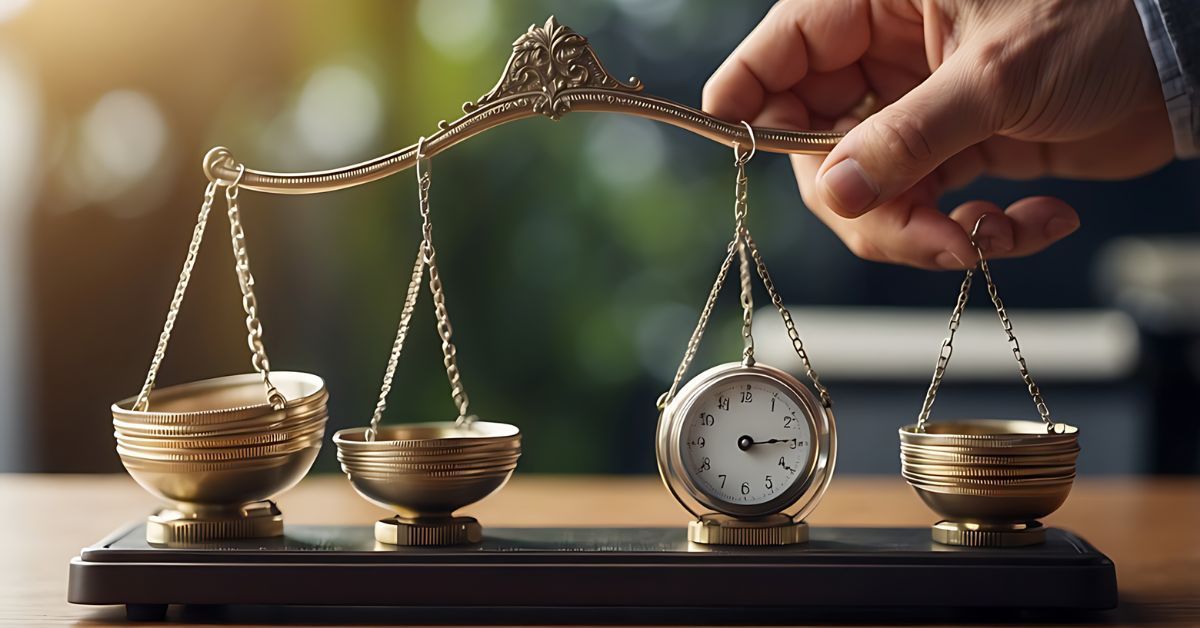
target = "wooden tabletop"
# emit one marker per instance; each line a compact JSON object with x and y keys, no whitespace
{"x":1149,"y":527}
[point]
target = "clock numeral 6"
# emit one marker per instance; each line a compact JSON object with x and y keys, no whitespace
{"x":707,"y":420}
{"x":745,"y":488}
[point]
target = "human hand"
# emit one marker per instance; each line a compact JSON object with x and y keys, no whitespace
{"x":1016,"y":89}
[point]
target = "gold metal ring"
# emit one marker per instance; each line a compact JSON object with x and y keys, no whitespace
{"x":743,"y":159}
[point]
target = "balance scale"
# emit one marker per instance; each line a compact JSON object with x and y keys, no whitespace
{"x":746,"y":448}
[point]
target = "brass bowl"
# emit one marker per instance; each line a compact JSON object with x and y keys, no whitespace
{"x":431,"y":468}
{"x":999,"y":471}
{"x":941,"y":457}
{"x":275,"y":423}
{"x":420,"y":436}
{"x":222,"y":401}
{"x":989,"y":434}
{"x":995,"y":483}
{"x":978,"y":505}
{"x":419,"y":496}
{"x":222,"y":454}
{"x":220,"y":487}
{"x":429,"y":453}
{"x":217,"y":442}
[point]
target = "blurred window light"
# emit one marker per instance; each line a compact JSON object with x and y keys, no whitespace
{"x":122,"y":141}
{"x":20,"y":128}
{"x":652,"y":13}
{"x":10,"y":8}
{"x":459,"y":29}
{"x":339,"y":113}
{"x":624,"y":151}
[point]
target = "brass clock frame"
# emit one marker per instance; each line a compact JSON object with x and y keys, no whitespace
{"x":799,"y":500}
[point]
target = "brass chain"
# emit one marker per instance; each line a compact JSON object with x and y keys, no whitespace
{"x":445,"y":330}
{"x":410,"y":304}
{"x":740,"y":235}
{"x":788,"y":323}
{"x":254,"y":328}
{"x":948,"y":344}
{"x":143,"y":399}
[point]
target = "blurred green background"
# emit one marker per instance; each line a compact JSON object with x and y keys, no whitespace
{"x":575,"y":254}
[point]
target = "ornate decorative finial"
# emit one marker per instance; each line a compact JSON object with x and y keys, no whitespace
{"x":546,"y":62}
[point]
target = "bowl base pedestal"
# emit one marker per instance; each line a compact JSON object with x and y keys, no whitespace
{"x":970,"y":534}
{"x":256,"y":520}
{"x":431,"y":532}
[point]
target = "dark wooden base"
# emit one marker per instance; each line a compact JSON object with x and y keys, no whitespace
{"x":579,"y":572}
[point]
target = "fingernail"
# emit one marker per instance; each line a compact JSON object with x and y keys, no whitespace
{"x":947,"y":259}
{"x":849,"y":187}
{"x":996,"y":244}
{"x":1060,"y":227}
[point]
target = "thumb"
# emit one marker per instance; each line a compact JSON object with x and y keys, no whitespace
{"x":893,"y":149}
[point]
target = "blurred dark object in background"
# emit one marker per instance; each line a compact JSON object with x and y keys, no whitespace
{"x":575,"y":253}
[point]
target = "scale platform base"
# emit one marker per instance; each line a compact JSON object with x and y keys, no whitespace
{"x":595,"y":574}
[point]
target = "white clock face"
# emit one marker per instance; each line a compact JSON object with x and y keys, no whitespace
{"x":746,"y":441}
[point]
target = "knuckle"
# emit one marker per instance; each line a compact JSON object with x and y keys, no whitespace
{"x":901,"y":133}
{"x":861,"y":247}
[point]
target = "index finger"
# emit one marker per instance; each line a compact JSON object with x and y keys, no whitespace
{"x":796,"y":36}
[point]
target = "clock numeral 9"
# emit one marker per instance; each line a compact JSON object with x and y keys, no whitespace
{"x":707,"y":420}
{"x":699,"y":442}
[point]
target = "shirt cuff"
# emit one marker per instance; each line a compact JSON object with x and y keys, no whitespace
{"x":1183,"y":104}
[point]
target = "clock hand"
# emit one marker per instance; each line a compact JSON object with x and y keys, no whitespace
{"x":745,"y":442}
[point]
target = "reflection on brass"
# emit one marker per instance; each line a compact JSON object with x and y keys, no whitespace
{"x":252,"y":521}
{"x":428,"y":532}
{"x":717,"y":529}
{"x":991,"y":479}
{"x":552,"y":71}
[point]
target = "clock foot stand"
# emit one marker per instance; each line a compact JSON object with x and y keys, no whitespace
{"x":716,"y":529}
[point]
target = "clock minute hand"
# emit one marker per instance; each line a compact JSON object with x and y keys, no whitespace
{"x":746,"y":442}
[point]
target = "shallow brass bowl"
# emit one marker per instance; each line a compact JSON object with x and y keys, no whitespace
{"x":430,"y":468}
{"x":222,"y":400}
{"x":274,"y":421}
{"x":481,"y":457}
{"x":955,"y":471}
{"x":217,"y":442}
{"x":417,"y":436}
{"x":419,"y":496}
{"x":999,"y":483}
{"x":935,"y":455}
{"x":431,"y":453}
{"x":989,"y":433}
{"x":219,"y":487}
{"x":960,"y":504}
{"x":217,"y":455}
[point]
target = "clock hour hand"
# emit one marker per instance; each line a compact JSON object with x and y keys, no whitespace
{"x":745,"y":442}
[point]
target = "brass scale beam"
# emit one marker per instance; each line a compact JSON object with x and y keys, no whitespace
{"x":552,"y":70}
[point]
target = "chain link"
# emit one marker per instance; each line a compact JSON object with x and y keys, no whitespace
{"x":143,"y":399}
{"x":254,"y":329}
{"x":410,"y":304}
{"x":948,"y":344}
{"x":740,"y":235}
{"x":449,"y":354}
{"x":793,"y":335}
